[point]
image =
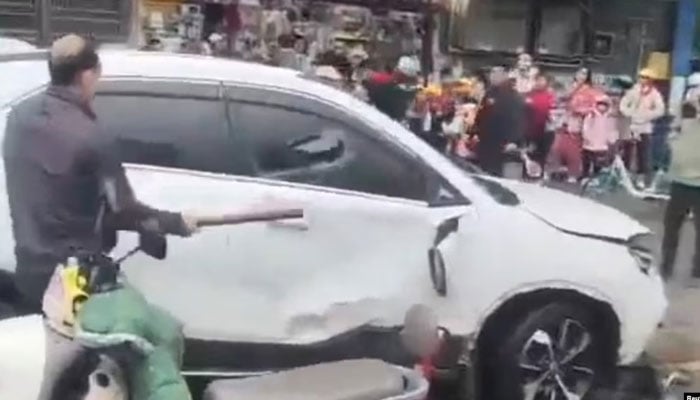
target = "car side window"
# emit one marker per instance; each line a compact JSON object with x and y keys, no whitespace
{"x":298,"y":146}
{"x":167,"y":131}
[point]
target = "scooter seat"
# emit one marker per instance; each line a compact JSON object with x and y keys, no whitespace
{"x":344,"y":380}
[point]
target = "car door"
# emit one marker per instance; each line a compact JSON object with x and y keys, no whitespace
{"x":360,"y":255}
{"x":173,"y":137}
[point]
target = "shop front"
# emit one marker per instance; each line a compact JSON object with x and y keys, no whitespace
{"x":294,"y":34}
{"x":39,"y":21}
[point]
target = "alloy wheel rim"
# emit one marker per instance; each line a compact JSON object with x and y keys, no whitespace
{"x":550,"y":365}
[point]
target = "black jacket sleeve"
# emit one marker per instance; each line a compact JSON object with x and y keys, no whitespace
{"x":518,"y":119}
{"x":125,"y":211}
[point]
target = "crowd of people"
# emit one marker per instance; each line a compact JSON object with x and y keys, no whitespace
{"x":517,"y":113}
{"x":574,"y":132}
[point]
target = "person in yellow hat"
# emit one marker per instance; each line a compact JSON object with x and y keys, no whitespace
{"x":432,"y":90}
{"x":462,"y":88}
{"x":642,"y":104}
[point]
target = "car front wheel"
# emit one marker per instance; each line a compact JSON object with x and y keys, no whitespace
{"x":551,"y":353}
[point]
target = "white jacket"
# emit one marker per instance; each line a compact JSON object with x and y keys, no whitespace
{"x":454,"y":128}
{"x":642,"y":109}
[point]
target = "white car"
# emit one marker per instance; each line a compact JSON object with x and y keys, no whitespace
{"x":514,"y":268}
{"x":10,"y":45}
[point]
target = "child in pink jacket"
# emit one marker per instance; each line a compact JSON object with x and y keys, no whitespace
{"x":599,"y":133}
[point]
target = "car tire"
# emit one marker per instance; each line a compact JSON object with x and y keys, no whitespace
{"x":553,"y":348}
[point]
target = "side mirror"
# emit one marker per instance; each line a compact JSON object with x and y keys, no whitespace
{"x":154,"y":245}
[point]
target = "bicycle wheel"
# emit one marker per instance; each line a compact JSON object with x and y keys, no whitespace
{"x":591,"y":187}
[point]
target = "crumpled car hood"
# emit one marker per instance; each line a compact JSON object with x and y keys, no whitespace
{"x":574,"y":214}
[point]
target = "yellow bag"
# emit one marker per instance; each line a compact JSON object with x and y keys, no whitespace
{"x":64,"y":296}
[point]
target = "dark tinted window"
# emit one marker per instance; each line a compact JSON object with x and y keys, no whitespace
{"x":296,"y":146}
{"x":168,"y":132}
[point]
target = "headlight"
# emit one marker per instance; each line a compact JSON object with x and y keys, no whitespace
{"x":641,"y":248}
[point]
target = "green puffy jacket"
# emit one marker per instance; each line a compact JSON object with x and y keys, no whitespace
{"x":124,"y":316}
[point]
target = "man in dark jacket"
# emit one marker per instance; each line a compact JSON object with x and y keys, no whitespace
{"x":67,"y":189}
{"x":500,"y":122}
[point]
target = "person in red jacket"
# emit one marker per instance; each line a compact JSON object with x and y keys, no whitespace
{"x":540,"y":102}
{"x":389,"y":91}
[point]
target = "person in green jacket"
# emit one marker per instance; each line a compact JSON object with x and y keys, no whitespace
{"x":684,"y":174}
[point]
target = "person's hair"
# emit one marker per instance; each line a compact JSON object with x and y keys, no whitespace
{"x":286,"y":41}
{"x":481,"y":74}
{"x":543,"y":75}
{"x":304,"y":44}
{"x":689,"y":110}
{"x":450,"y":114}
{"x":589,"y":74}
{"x":71,"y":55}
{"x":470,"y":100}
{"x":445,"y":72}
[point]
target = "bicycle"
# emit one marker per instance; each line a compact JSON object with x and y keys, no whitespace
{"x":615,"y":177}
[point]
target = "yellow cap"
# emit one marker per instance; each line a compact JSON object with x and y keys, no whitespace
{"x":647,"y":73}
{"x":432,"y":90}
{"x":463,"y":88}
{"x":660,"y":63}
{"x":465,"y":81}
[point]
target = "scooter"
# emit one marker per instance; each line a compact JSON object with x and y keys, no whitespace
{"x":103,"y":371}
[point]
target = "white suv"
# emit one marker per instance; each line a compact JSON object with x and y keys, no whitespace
{"x":388,"y":223}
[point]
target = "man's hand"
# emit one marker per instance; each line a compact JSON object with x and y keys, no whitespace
{"x":190,"y":223}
